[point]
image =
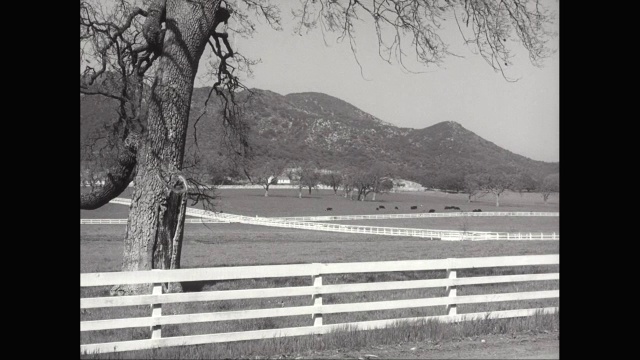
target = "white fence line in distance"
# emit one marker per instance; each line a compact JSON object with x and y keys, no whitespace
{"x":412,"y":216}
{"x":449,"y":235}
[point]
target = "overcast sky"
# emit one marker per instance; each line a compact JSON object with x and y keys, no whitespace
{"x":521,"y":116}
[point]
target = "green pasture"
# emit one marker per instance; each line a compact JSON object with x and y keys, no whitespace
{"x":207,"y":245}
{"x":513,"y":224}
{"x":239,"y":244}
{"x":210,"y":245}
{"x":285,"y":202}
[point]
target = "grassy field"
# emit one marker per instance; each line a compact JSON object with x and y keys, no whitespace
{"x":207,"y":245}
{"x":285,"y":202}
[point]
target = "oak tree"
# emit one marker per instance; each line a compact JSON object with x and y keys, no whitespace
{"x":144,"y":55}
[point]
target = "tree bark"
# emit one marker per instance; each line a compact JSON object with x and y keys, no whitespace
{"x":155,"y":225}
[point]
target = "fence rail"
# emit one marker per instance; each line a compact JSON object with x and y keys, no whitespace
{"x":316,"y":290}
{"x":449,"y":235}
{"x":413,"y":216}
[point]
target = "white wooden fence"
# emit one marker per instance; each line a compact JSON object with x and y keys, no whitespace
{"x":316,"y":290}
{"x":451,"y":235}
{"x":413,"y":216}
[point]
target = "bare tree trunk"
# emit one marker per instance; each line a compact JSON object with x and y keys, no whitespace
{"x":155,"y":225}
{"x":497,"y":200}
{"x":374,"y":197}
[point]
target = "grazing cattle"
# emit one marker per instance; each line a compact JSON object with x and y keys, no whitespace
{"x":329,"y":209}
{"x":414,"y":207}
{"x":477,"y":210}
{"x":381,"y":207}
{"x":377,"y":209}
{"x":432,"y":210}
{"x":396,"y":208}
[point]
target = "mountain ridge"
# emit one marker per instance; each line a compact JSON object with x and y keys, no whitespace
{"x":332,"y":133}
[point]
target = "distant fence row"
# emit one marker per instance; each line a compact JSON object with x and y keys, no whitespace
{"x":345,"y":217}
{"x":451,"y":235}
{"x":316,"y":290}
{"x":411,"y":216}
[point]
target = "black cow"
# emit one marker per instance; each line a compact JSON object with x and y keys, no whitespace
{"x":329,"y":209}
{"x":432,"y":210}
{"x":396,"y":208}
{"x":414,"y":207}
{"x":381,"y":207}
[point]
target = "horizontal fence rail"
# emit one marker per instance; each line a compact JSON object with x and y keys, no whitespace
{"x":413,"y":216}
{"x":316,"y":290}
{"x":449,"y":235}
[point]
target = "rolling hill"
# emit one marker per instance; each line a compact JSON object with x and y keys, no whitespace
{"x":315,"y":127}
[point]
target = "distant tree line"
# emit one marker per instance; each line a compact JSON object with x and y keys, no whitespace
{"x":498,"y":182}
{"x":372,"y":178}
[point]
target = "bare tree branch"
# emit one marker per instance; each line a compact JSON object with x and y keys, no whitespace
{"x":117,"y":180}
{"x":401,"y":25}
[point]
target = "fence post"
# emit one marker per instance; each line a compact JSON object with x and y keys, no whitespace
{"x":156,"y":310}
{"x":317,"y":298}
{"x":451,"y":293}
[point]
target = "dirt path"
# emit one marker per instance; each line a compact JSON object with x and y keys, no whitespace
{"x":522,"y":346}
